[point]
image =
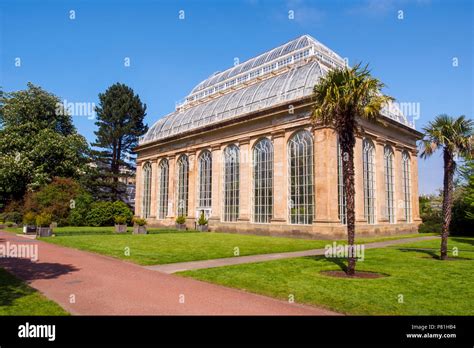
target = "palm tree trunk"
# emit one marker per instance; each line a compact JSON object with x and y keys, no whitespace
{"x":447,"y":200}
{"x":347,"y":142}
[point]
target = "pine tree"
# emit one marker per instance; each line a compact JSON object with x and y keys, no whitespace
{"x":120,"y":115}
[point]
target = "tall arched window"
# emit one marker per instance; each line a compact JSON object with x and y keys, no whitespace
{"x":406,"y":173}
{"x":369,"y":180}
{"x":146,"y":190}
{"x":340,"y":187}
{"x":183,"y":181}
{"x":300,"y":170}
{"x":263,"y":181}
{"x":231,"y":183}
{"x":163,"y":193}
{"x":389,"y":190}
{"x":205,"y":180}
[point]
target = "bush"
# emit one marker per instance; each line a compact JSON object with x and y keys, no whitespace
{"x":202,"y":220}
{"x":103,"y":213}
{"x":44,"y":219}
{"x":29,"y":218}
{"x":180,"y":219}
{"x":120,"y":208}
{"x":82,"y":206}
{"x":120,"y":220}
{"x":14,"y":216}
{"x":10,"y":223}
{"x":139,"y":221}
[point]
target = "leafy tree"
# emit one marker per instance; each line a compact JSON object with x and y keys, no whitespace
{"x":37,"y":142}
{"x":342,"y":97}
{"x":120,"y":116}
{"x":454,"y":137}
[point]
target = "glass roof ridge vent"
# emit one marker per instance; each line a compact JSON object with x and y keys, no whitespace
{"x":268,"y":63}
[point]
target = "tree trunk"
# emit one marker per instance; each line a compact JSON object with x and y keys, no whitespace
{"x":447,"y":200}
{"x":347,"y":142}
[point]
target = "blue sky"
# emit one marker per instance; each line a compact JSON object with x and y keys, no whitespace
{"x":78,"y":58}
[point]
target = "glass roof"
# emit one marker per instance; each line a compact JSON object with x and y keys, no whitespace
{"x":286,"y":73}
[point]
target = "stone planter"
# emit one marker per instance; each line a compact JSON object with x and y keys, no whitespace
{"x":139,"y":229}
{"x":120,"y":228}
{"x":181,"y":227}
{"x":29,"y":229}
{"x":203,"y":228}
{"x":44,"y":231}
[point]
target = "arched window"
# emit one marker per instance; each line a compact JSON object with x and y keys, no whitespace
{"x":263,"y":181}
{"x":340,"y":187}
{"x":205,"y":180}
{"x":406,"y":172}
{"x":300,"y":172}
{"x":369,"y":180}
{"x":146,"y":190}
{"x":163,"y":193}
{"x":389,"y":190}
{"x":183,"y":181}
{"x":231,"y":183}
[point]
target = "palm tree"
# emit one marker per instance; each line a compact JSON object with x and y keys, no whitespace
{"x":342,"y":97}
{"x":454,"y":137}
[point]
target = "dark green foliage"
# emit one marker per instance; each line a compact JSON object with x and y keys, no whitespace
{"x":82,"y":206}
{"x":120,"y":117}
{"x":103,"y":213}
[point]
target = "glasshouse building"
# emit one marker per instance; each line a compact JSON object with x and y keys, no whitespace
{"x":241,"y":149}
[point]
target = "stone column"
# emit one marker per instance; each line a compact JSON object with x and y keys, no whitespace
{"x":153,"y":195}
{"x":325,"y":176}
{"x":138,"y":190}
{"x":380,"y":199}
{"x":192,"y":185}
{"x":280,"y":178}
{"x":172,"y":187}
{"x":245,"y":179}
{"x":216,"y":182}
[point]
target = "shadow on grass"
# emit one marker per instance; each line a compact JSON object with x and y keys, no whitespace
{"x":463,"y":240}
{"x":340,"y":262}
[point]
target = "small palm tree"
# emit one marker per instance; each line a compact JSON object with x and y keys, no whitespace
{"x":342,"y":97}
{"x":454,"y":137}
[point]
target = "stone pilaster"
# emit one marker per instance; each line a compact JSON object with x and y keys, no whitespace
{"x":280,"y":178}
{"x":325,"y":176}
{"x":153,"y":195}
{"x":172,"y":187}
{"x":192,"y":185}
{"x":414,"y":186}
{"x":245,"y":179}
{"x":380,"y":199}
{"x":138,"y":190}
{"x":359,"y":182}
{"x":216,"y":182}
{"x":398,"y":180}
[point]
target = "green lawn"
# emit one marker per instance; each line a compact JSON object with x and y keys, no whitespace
{"x":428,"y":286}
{"x":170,"y":246}
{"x":17,"y":298}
